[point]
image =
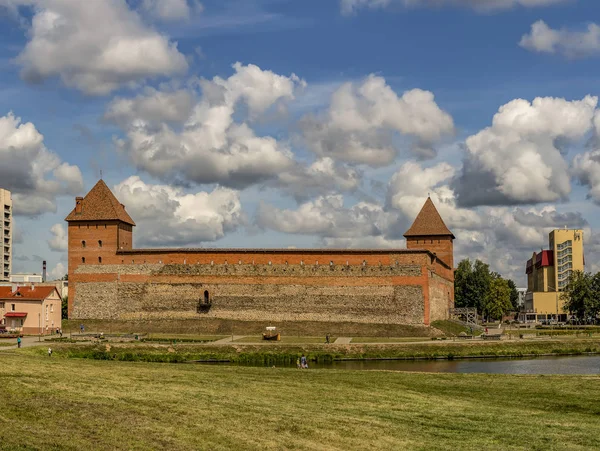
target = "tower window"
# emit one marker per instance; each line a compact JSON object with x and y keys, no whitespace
{"x":99,"y":243}
{"x":99,"y":259}
{"x":83,"y":244}
{"x":105,"y":226}
{"x":96,"y":225}
{"x":82,"y":259}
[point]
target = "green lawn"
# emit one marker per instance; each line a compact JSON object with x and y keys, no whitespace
{"x":51,"y":403}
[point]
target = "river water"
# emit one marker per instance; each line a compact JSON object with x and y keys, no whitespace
{"x":539,"y":365}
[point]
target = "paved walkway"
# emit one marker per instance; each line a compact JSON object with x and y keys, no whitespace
{"x":26,"y":342}
{"x":342,"y":341}
{"x":227,"y":340}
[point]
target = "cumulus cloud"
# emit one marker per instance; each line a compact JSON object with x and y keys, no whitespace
{"x":543,"y":39}
{"x":323,"y":176}
{"x":35,"y":175}
{"x":58,"y":242}
{"x":363,"y":120}
{"x":325,"y":217}
{"x":410,"y":186}
{"x":151,"y":107}
{"x":517,"y":160}
{"x":211,"y":147}
{"x":58,"y":272}
{"x":95,"y":47}
{"x":171,"y":10}
{"x":167,"y":216}
{"x":351,"y":6}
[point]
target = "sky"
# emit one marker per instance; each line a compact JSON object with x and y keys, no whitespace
{"x":314,"y":123}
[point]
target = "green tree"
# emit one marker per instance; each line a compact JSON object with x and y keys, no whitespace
{"x":497,"y":299}
{"x":578,"y":296}
{"x":65,"y":307}
{"x":463,"y":292}
{"x":514,"y":295}
{"x":482,"y":279}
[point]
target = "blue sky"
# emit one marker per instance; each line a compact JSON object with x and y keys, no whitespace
{"x":319,"y":173}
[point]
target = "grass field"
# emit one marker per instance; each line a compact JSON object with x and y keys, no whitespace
{"x":277,"y":353}
{"x":50,"y":403}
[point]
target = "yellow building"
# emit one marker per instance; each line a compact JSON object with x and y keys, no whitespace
{"x":548,"y":273}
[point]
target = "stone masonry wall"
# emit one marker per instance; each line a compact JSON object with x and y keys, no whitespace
{"x":392,"y":294}
{"x":441,"y":297}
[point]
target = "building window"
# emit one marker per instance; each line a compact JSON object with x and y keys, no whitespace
{"x":83,"y":244}
{"x":1,"y":304}
{"x":99,"y":243}
{"x":21,"y":323}
{"x":206,"y":297}
{"x":13,"y":307}
{"x":99,"y":259}
{"x":82,"y":259}
{"x":105,"y":226}
{"x":51,"y":308}
{"x":96,"y":225}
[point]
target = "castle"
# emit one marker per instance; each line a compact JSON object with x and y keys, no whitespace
{"x":109,"y":279}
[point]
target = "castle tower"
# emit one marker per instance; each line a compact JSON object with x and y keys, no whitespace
{"x":429,"y":232}
{"x":98,"y":227}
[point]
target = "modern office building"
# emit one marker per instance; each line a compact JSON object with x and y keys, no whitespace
{"x":6,"y":231}
{"x":548,"y":273}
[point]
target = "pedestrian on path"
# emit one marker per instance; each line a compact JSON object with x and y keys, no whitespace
{"x":49,"y":352}
{"x":298,"y":363}
{"x":18,"y":342}
{"x":81,"y":328}
{"x":327,"y":339}
{"x":303,"y":362}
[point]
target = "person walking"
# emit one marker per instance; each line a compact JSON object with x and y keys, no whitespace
{"x":18,"y":342}
{"x":49,"y":352}
{"x":327,"y":339}
{"x":298,"y":363}
{"x":303,"y":362}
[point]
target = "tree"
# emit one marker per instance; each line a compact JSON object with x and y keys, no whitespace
{"x":481,"y":283}
{"x":497,"y":299}
{"x":462,"y":280}
{"x":578,"y":296}
{"x":65,"y":277}
{"x":65,"y":308}
{"x":514,"y":295}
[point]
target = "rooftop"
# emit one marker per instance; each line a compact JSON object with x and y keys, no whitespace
{"x":100,"y":204}
{"x":37,"y":293}
{"x":428,"y":223}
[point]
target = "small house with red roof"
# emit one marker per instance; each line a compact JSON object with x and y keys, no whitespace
{"x":30,"y":309}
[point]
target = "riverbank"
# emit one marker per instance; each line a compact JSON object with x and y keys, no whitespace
{"x":52,"y":403}
{"x":284,"y":354}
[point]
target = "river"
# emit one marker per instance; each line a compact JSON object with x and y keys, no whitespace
{"x":539,"y":365}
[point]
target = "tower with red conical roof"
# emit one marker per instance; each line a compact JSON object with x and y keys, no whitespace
{"x":429,"y":232}
{"x":98,"y":227}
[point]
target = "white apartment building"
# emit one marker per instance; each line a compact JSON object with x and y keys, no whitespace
{"x":6,"y":232}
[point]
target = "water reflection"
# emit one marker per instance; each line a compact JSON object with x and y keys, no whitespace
{"x":541,"y":365}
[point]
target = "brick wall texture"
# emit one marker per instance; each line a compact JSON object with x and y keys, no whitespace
{"x":385,"y":289}
{"x":108,"y":279}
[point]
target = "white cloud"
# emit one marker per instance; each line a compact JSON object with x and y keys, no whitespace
{"x":58,"y":272}
{"x":323,"y":176}
{"x":95,"y":46}
{"x":411,"y":184}
{"x":168,"y":216}
{"x":171,"y":10}
{"x":212,"y":147}
{"x":362,"y":121}
{"x":326,"y":217}
{"x":35,"y":175}
{"x":517,"y":160}
{"x":59,"y":241}
{"x":151,"y":107}
{"x":351,"y":6}
{"x":544,"y":39}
